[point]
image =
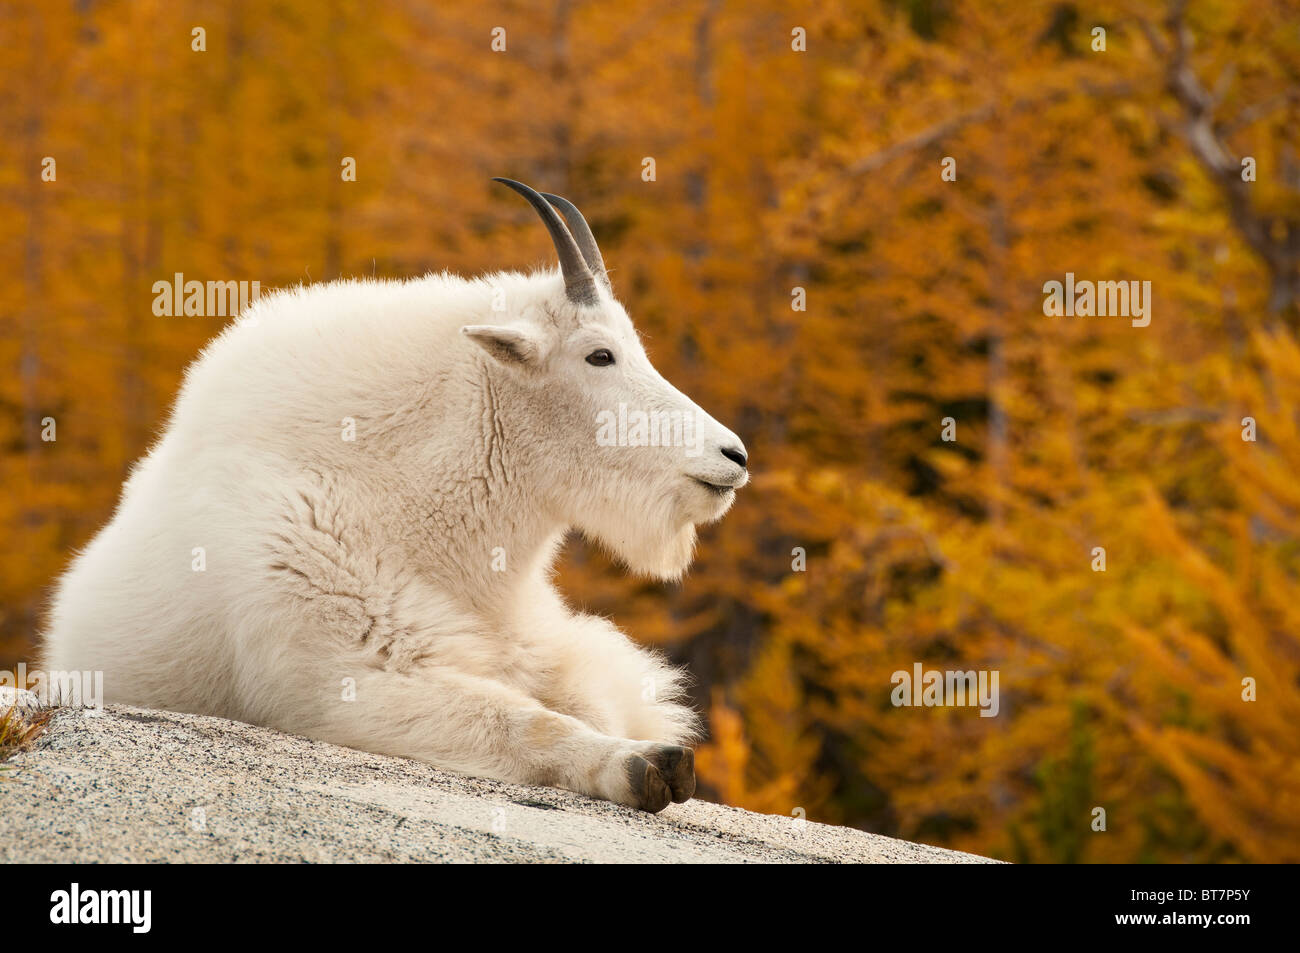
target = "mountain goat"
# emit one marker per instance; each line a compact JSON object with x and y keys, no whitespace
{"x":348,"y":527}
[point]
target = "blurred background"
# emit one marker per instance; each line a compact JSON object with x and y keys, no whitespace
{"x":775,"y":169}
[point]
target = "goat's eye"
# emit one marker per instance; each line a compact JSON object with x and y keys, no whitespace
{"x":600,"y":358}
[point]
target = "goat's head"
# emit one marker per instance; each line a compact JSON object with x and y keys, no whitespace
{"x":618,"y":451}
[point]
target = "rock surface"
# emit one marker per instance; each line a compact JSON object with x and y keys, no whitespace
{"x":131,"y":785}
{"x":17,"y":698}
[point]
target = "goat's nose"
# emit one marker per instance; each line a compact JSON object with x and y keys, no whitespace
{"x":735,"y":455}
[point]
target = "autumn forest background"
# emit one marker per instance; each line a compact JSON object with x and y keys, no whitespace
{"x":794,"y":146}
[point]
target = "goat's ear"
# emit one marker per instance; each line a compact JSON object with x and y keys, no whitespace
{"x":508,"y":345}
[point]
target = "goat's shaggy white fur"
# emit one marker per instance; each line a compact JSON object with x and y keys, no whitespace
{"x":410,"y":564}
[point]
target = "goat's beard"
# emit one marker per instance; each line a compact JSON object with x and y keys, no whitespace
{"x":664,"y":556}
{"x":647,"y":546}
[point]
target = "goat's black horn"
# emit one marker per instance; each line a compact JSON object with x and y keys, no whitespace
{"x":579,"y":283}
{"x":581,"y":232}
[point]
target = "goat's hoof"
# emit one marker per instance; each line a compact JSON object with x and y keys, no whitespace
{"x":677,"y":766}
{"x":661,"y":773}
{"x":650,"y":792}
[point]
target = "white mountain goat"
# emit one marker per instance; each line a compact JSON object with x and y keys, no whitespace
{"x":360,"y":494}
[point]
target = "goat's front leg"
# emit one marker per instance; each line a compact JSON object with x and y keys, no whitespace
{"x":480,"y":727}
{"x":601,"y":677}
